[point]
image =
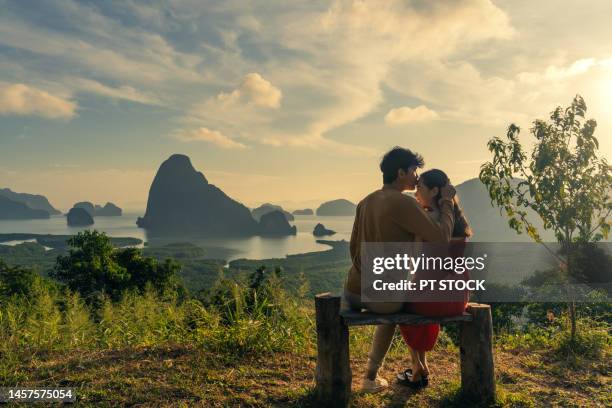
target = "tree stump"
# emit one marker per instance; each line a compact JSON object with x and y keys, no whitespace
{"x":476,"y":345}
{"x":333,"y":375}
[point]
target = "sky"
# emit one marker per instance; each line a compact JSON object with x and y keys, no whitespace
{"x":292,"y":103}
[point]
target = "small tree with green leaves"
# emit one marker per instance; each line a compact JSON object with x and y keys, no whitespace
{"x":564,"y":182}
{"x":93,"y":267}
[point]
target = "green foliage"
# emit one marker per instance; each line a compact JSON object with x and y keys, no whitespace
{"x":258,"y":314}
{"x":30,"y":255}
{"x":94,"y":267}
{"x":565,"y":182}
{"x":16,"y":281}
{"x":324,"y":271}
{"x":177,"y":250}
{"x":589,"y":263}
{"x":589,"y":343}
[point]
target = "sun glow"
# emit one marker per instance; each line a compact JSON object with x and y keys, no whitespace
{"x":605,"y":94}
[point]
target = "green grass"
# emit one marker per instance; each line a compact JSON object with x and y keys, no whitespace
{"x":246,"y":342}
{"x":177,"y":357}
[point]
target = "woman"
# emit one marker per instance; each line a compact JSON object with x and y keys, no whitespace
{"x":422,"y":338}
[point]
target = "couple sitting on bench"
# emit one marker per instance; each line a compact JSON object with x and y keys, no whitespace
{"x":388,"y":215}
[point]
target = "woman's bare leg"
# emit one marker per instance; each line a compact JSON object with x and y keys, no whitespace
{"x":417,"y":367}
{"x":423,"y":361}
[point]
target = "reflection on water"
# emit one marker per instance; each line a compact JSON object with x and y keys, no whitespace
{"x":228,"y":248}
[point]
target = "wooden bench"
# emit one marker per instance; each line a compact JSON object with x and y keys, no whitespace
{"x":333,"y":375}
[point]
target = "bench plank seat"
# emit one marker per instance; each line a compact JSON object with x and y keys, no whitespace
{"x":356,"y":318}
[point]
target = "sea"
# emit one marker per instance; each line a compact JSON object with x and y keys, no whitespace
{"x":228,"y":248}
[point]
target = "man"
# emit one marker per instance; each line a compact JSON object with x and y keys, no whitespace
{"x":387,"y":215}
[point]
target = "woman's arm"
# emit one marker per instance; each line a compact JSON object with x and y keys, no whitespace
{"x":413,"y":218}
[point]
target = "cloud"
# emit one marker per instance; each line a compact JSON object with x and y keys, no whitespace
{"x":405,"y":115}
{"x":21,"y":99}
{"x":556,"y":73}
{"x":123,"y":92}
{"x":206,"y":135}
{"x":462,"y":93}
{"x":347,"y":51}
{"x":331,"y":61}
{"x":255,"y":90}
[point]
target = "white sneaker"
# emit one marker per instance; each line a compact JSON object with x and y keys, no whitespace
{"x":372,"y":386}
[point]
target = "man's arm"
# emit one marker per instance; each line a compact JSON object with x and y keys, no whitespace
{"x":413,"y":218}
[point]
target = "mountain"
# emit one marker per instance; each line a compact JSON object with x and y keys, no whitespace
{"x":87,"y":206}
{"x":268,"y":208}
{"x":34,"y":201}
{"x":275,"y":223}
{"x":320,"y":230}
{"x":305,"y":211}
{"x":79,"y":217}
{"x":486,"y":221}
{"x":15,"y":210}
{"x":181,"y":201}
{"x":337,"y":207}
{"x":109,"y":210}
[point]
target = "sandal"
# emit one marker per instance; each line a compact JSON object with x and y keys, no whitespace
{"x":405,"y":378}
{"x":407,"y":373}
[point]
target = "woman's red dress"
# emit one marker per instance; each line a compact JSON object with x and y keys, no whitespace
{"x":423,"y":337}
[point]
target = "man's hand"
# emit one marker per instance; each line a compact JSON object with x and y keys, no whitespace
{"x":447,"y":192}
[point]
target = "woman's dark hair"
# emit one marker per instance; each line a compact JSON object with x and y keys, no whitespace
{"x":437,"y":178}
{"x":398,"y":158}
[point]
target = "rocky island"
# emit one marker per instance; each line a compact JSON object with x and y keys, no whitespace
{"x":109,"y":209}
{"x":305,"y":211}
{"x":268,"y":208}
{"x":275,"y":223}
{"x":340,"y":207}
{"x":182,"y":201}
{"x":85,"y":205}
{"x":320,"y":231}
{"x":78,"y":217}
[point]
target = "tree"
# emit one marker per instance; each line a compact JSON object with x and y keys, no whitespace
{"x":564,"y":182}
{"x":93,"y":266}
{"x":16,"y":280}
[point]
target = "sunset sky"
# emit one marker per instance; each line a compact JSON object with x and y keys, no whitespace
{"x":286,"y":102}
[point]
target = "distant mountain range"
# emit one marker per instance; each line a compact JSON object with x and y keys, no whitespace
{"x":32,"y":201}
{"x":14,"y":210}
{"x":486,"y":221}
{"x":182,"y":201}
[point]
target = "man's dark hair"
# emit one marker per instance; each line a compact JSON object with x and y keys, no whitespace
{"x":398,"y":158}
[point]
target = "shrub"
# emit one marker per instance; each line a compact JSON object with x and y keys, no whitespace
{"x":93,"y":267}
{"x":16,"y":281}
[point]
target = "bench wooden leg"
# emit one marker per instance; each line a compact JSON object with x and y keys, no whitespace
{"x":476,"y":345}
{"x":333,"y":376}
